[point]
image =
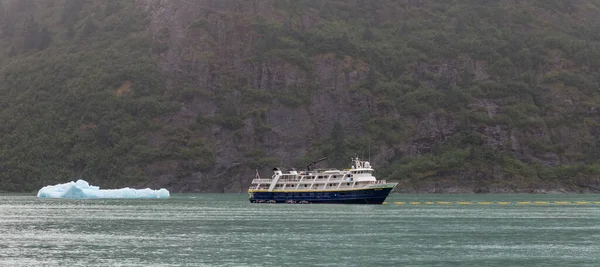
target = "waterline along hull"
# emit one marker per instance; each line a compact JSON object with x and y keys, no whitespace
{"x":357,"y":196}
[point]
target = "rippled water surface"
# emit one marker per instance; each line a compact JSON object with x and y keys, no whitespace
{"x":226,"y":230}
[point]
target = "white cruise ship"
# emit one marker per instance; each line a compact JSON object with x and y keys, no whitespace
{"x":356,"y":185}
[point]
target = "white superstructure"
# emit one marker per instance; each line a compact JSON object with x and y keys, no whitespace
{"x":359,"y":176}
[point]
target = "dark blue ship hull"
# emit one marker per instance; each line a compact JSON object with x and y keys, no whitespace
{"x":362,"y":196}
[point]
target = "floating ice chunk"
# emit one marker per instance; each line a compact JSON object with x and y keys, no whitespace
{"x":81,"y":189}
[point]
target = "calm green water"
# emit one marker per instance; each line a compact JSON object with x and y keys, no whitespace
{"x":226,"y":230}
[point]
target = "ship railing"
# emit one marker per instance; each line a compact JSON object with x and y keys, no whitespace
{"x":289,"y":180}
{"x":261,"y":181}
{"x":324,"y":180}
{"x":259,"y":187}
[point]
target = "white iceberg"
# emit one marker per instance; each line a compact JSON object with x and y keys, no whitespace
{"x":82,"y":189}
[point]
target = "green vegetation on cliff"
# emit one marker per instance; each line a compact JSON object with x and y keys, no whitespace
{"x":461,"y":95}
{"x":514,"y":85}
{"x":472,"y":95}
{"x":78,"y":94}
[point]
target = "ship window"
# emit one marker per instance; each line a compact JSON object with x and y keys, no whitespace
{"x":347,"y":183}
{"x":305,"y":185}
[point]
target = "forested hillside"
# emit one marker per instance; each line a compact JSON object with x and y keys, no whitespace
{"x":194,"y":95}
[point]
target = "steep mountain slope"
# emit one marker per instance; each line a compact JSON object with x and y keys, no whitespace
{"x":194,"y":95}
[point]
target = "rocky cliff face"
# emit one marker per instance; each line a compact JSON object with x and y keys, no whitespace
{"x":212,"y":46}
{"x":240,"y":61}
{"x":467,"y":96}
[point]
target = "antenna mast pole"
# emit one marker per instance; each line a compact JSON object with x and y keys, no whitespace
{"x":369,"y":149}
